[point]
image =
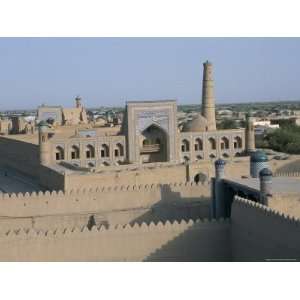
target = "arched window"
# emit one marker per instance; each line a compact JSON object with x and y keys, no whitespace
{"x":89,"y":151}
{"x":91,"y":165}
{"x":198,"y":145}
{"x":212,"y":143}
{"x":75,"y":153}
{"x":104,"y":152}
{"x":119,"y":150}
{"x":185,"y":146}
{"x":237,"y":142}
{"x":224,"y":143}
{"x":59,"y":153}
{"x":212,"y":156}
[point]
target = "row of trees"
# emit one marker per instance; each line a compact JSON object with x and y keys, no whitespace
{"x":285,"y":139}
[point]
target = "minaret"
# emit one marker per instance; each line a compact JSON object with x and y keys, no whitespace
{"x":208,"y":99}
{"x":78,"y":102}
{"x":250,"y":136}
{"x":44,"y":146}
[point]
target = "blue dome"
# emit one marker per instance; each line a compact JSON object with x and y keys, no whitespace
{"x":265,"y":172}
{"x":220,"y":162}
{"x":258,"y":156}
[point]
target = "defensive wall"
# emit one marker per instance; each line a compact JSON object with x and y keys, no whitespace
{"x":109,"y":205}
{"x":260,"y":233}
{"x":178,"y":241}
{"x":254,"y":233}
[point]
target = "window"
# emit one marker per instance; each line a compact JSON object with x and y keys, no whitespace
{"x":119,"y":150}
{"x":185,"y":146}
{"x":212,"y":143}
{"x":104,"y":152}
{"x":224,"y":143}
{"x":90,"y":151}
{"x":59,"y":153}
{"x":198,"y":145}
{"x":237,"y":142}
{"x":74,"y":152}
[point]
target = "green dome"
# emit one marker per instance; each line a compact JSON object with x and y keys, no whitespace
{"x":258,"y":156}
{"x":43,"y":123}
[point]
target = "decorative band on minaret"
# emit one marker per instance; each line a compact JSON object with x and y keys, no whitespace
{"x":250,"y":134}
{"x":208,"y":98}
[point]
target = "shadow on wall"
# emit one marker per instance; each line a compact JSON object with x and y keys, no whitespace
{"x":204,"y":241}
{"x":173,"y":206}
{"x":20,"y":155}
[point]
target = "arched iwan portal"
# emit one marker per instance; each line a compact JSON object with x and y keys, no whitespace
{"x":153,"y":145}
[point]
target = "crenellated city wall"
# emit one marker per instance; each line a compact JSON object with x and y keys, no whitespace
{"x":200,"y":240}
{"x":111,"y":205}
{"x":261,"y":233}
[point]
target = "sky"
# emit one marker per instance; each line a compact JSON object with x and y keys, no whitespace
{"x":111,"y":71}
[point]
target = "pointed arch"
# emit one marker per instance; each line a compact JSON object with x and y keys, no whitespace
{"x":212,"y":143}
{"x":224,"y":143}
{"x":75,"y":152}
{"x":185,"y":145}
{"x":90,"y":151}
{"x":59,"y":153}
{"x":198,"y":144}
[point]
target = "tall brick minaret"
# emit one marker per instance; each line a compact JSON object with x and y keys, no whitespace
{"x":208,"y":99}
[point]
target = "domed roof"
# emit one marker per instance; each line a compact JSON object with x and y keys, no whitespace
{"x":43,"y":123}
{"x":265,"y":172}
{"x":198,"y":123}
{"x":258,"y":156}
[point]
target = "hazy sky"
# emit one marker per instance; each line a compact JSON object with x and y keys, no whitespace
{"x":109,"y":71}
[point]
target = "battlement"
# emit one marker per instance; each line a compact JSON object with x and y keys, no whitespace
{"x":260,"y":233}
{"x":119,"y":228}
{"x":265,"y":210}
{"x":286,"y":174}
{"x":200,"y":240}
{"x":104,"y":189}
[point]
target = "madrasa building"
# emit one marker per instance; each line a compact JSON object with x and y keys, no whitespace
{"x":67,"y":144}
{"x":149,"y":134}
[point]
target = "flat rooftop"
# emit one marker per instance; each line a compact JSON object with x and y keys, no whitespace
{"x":280,"y":185}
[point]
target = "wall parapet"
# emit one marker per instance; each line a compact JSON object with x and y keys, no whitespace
{"x":265,"y":210}
{"x":286,"y":174}
{"x":116,"y":229}
{"x":100,"y":189}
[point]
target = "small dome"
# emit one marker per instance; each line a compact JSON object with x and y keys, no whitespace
{"x":220,"y":162}
{"x":265,"y":172}
{"x":198,"y":123}
{"x":43,"y":123}
{"x":258,"y":156}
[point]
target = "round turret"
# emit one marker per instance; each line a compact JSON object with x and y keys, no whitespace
{"x":258,"y":161}
{"x":265,"y":178}
{"x":220,"y":167}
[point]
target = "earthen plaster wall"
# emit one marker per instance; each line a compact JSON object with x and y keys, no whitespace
{"x":260,"y":233}
{"x":184,"y":241}
{"x":112,"y":205}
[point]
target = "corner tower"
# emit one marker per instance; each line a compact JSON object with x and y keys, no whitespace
{"x":208,"y":99}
